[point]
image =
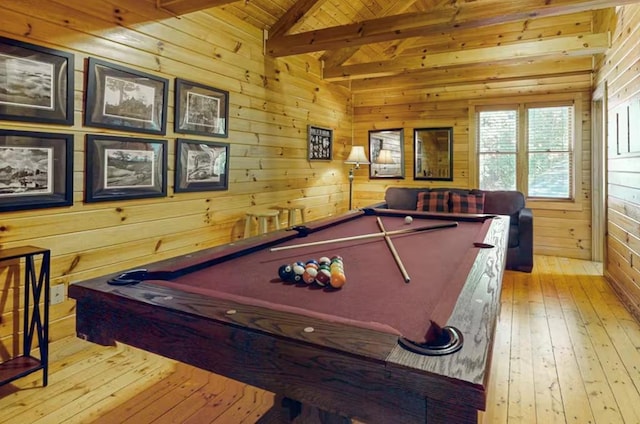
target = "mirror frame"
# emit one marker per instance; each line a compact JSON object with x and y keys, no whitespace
{"x":443,"y":172}
{"x":376,"y":142}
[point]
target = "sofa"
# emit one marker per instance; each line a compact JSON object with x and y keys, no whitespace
{"x":499,"y":202}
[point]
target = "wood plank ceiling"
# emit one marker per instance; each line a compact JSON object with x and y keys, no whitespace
{"x":414,"y":43}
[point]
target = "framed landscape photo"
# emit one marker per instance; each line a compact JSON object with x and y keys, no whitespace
{"x":201,"y":166}
{"x":121,"y":168}
{"x":201,"y":110}
{"x":320,"y":142}
{"x":36,"y":83}
{"x":36,"y":170}
{"x":125,"y":99}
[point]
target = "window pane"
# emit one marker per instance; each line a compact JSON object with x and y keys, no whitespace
{"x":498,"y":131}
{"x":549,"y":175}
{"x":497,"y":171}
{"x":550,"y":145}
{"x":550,"y":129}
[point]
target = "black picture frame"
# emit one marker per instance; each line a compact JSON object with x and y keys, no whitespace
{"x":433,"y":154}
{"x":200,"y":109}
{"x":320,"y":141}
{"x":386,"y":153}
{"x":110,"y":102}
{"x":120,"y":168}
{"x":201,"y":165}
{"x":36,"y":83}
{"x":36,"y":170}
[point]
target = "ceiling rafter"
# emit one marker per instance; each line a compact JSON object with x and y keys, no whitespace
{"x":559,"y":46}
{"x":428,"y":23}
{"x":293,"y":15}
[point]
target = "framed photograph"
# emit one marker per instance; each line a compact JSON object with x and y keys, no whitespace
{"x":201,"y":166}
{"x":36,"y":83}
{"x":120,"y":168}
{"x":320,"y":143}
{"x":36,"y":170}
{"x":201,"y":110}
{"x":124,"y":99}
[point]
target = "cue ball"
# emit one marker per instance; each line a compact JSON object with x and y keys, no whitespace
{"x":408,"y":220}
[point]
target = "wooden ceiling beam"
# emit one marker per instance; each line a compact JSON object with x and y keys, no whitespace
{"x":425,"y":24}
{"x":556,"y":47}
{"x":181,"y":7}
{"x":291,"y":16}
{"x":508,"y":70}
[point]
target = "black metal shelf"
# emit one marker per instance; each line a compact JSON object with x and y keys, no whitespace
{"x":36,"y":319}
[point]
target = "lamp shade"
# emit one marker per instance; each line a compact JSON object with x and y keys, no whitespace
{"x":384,"y":157}
{"x":357,"y":156}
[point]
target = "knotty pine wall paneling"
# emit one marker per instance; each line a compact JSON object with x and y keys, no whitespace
{"x":557,"y":231}
{"x":619,"y":69}
{"x":271,"y":103}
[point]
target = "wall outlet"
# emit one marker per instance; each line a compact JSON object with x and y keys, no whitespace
{"x":57,"y":294}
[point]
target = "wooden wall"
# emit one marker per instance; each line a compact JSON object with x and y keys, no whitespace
{"x":271,"y":104}
{"x":620,"y":72}
{"x":562,"y":229}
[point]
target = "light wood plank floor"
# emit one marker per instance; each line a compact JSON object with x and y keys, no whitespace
{"x":566,"y":351}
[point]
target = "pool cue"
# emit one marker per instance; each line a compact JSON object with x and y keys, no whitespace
{"x":366,"y":236}
{"x":394,"y":252}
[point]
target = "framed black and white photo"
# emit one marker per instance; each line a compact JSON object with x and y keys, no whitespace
{"x":36,"y":83}
{"x":36,"y":170}
{"x":125,"y":99}
{"x":121,"y":168}
{"x":201,"y":110}
{"x":201,"y":165}
{"x":320,"y":143}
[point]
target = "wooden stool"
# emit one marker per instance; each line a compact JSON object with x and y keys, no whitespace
{"x":262,"y":216}
{"x":291,"y":209}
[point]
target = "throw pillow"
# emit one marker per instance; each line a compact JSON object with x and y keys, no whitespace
{"x":433,"y":201}
{"x":467,"y":203}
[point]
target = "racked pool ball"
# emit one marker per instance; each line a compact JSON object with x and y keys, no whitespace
{"x":298,"y":270}
{"x":324,"y":275}
{"x":309,"y":275}
{"x":285,"y":272}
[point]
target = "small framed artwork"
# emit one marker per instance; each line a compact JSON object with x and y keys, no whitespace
{"x":125,"y":99}
{"x":201,"y":166}
{"x":36,"y":170}
{"x":36,"y":83}
{"x":320,"y":143}
{"x":120,"y":168}
{"x":201,"y":110}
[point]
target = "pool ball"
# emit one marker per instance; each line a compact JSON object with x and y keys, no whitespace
{"x":285,"y":272}
{"x":324,"y":275}
{"x":309,"y":275}
{"x":408,"y":219}
{"x":298,"y":270}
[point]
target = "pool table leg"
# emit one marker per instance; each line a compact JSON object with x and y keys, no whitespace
{"x":286,"y":410}
{"x":442,"y":412}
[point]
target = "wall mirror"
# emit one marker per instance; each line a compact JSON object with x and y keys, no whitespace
{"x":433,"y":159}
{"x":386,"y":153}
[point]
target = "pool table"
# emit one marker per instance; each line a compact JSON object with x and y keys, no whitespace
{"x":380,"y":349}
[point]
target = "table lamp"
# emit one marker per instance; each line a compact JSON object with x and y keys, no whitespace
{"x":356,"y":158}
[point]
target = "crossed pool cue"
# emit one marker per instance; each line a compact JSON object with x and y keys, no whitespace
{"x":383,"y":233}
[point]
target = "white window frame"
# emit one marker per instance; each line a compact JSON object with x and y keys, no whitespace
{"x":521,"y":104}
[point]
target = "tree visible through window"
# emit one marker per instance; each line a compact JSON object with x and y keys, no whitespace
{"x":538,"y":161}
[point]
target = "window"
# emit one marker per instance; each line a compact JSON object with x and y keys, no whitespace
{"x":529,"y":148}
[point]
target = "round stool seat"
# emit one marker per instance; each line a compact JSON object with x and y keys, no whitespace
{"x":262,"y":216}
{"x":292,"y":208}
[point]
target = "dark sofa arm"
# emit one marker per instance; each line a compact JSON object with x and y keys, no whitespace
{"x":525,"y":242}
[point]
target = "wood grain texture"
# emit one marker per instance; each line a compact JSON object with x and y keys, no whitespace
{"x":580,"y":347}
